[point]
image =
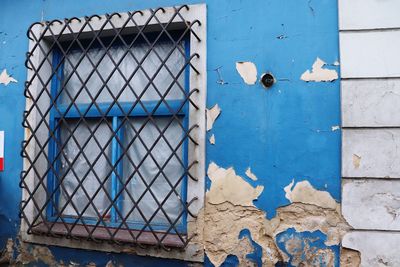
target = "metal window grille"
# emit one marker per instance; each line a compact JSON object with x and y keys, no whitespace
{"x":103,"y":124}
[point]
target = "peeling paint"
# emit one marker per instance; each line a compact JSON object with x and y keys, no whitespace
{"x":350,"y":258}
{"x":250,"y":174}
{"x":248,"y":72}
{"x":212,"y":139}
{"x":335,"y":128}
{"x":318,"y":73}
{"x":244,"y":248}
{"x":225,"y":184}
{"x":28,"y":253}
{"x":356,"y":161}
{"x":229,"y":210}
{"x":304,"y":192}
{"x":212,"y":115}
{"x":7,"y":254}
{"x":5,"y":78}
{"x":307,"y":249}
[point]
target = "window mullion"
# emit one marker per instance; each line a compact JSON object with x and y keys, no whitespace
{"x":117,"y":170}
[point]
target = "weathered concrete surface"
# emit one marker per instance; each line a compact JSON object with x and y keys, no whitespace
{"x":368,"y":14}
{"x":377,"y":152}
{"x":372,"y":204}
{"x":376,"y":248}
{"x":371,"y":103}
{"x":370,"y":54}
{"x":349,"y":258}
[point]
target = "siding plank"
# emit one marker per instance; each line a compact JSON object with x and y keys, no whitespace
{"x":372,"y":204}
{"x":370,"y":54}
{"x":371,"y":153}
{"x":371,"y":103}
{"x":368,"y":14}
{"x":376,"y":248}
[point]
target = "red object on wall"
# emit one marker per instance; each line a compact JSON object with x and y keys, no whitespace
{"x":1,"y":151}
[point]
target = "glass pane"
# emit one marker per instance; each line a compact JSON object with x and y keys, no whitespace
{"x":83,"y":157}
{"x":128,"y":79}
{"x":149,"y":170}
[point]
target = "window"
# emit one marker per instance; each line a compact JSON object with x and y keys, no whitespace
{"x":114,"y":145}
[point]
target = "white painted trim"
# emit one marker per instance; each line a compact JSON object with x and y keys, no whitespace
{"x":195,"y":250}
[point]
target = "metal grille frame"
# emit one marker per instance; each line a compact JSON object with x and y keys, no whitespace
{"x":40,"y":131}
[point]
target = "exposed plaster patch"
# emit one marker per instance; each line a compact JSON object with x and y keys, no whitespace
{"x":225,"y":184}
{"x":335,"y":128}
{"x":288,"y":190}
{"x":6,"y":79}
{"x":356,"y":161}
{"x":225,"y":215}
{"x":244,"y":248}
{"x":212,"y":115}
{"x":248,"y":72}
{"x":304,"y":192}
{"x":7,"y":254}
{"x":350,"y":257}
{"x":250,"y":174}
{"x":318,"y":73}
{"x":304,"y":253}
{"x":19,"y":253}
{"x":212,"y":139}
{"x":29,"y":253}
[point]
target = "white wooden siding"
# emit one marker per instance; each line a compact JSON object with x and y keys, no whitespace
{"x":370,"y":96}
{"x":374,"y":54}
{"x":371,"y":103}
{"x":378,"y":152}
{"x":368,"y":14}
{"x":372,"y":204}
{"x":376,"y":248}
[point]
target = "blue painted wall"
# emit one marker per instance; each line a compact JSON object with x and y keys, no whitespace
{"x":283,"y":133}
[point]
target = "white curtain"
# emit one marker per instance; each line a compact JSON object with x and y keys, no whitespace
{"x":149,"y":171}
{"x":127,"y":67}
{"x":80,"y":170}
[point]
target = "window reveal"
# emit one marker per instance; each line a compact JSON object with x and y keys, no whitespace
{"x":112,"y":131}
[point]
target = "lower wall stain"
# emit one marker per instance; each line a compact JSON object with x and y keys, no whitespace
{"x":306,"y":232}
{"x":19,"y":253}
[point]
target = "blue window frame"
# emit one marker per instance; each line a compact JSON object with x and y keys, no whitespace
{"x":116,"y":114}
